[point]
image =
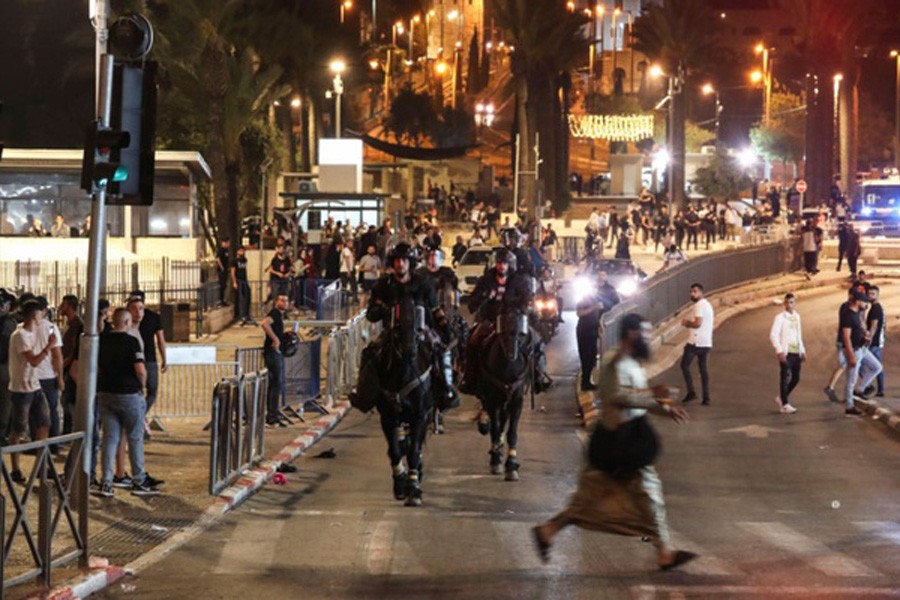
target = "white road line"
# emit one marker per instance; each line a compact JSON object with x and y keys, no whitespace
{"x":814,"y":553}
{"x":251,"y":548}
{"x":706,"y":563}
{"x":380,"y":548}
{"x":888,"y":531}
{"x":518,"y":545}
{"x":651,"y":592}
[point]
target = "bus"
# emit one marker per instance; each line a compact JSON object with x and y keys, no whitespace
{"x":876,"y":209}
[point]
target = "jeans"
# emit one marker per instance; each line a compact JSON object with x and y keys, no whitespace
{"x":223,"y":286}
{"x":702,"y":354}
{"x":243,"y":300}
{"x":876,"y":352}
{"x":152,"y":383}
{"x":51,"y":392}
{"x":865,"y":371}
{"x":275,"y":364}
{"x":5,"y":405}
{"x":118,"y":412}
{"x":790,"y":376}
{"x":68,"y":401}
{"x":811,"y":261}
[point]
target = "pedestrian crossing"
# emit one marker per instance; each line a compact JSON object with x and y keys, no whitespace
{"x":401,"y":542}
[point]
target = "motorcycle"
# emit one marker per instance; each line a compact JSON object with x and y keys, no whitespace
{"x":546,"y":309}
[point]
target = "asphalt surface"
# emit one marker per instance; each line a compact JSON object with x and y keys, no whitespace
{"x":778,"y":506}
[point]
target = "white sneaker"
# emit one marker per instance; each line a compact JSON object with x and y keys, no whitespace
{"x":788,"y":409}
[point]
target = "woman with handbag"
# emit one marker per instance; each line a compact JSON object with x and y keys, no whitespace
{"x":619,"y":491}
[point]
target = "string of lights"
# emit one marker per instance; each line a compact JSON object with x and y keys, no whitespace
{"x":615,"y":128}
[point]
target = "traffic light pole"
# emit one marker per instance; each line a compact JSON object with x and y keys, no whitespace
{"x":90,"y":347}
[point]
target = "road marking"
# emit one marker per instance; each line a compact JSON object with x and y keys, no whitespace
{"x":815,"y":553}
{"x":379,"y":550}
{"x":885,"y":530}
{"x":752,"y":431}
{"x":651,"y":592}
{"x":705,"y":563}
{"x":251,"y":548}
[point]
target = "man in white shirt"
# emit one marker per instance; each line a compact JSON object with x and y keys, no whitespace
{"x":700,"y":324}
{"x":787,"y":339}
{"x":348,"y":269}
{"x":49,"y":371}
{"x":28,"y":403}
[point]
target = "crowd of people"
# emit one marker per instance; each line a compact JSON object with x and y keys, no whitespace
{"x":39,"y":377}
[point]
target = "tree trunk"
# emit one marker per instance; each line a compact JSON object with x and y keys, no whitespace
{"x":677,"y":150}
{"x":849,"y":124}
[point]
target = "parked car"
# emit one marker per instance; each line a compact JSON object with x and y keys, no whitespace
{"x":472,"y":266}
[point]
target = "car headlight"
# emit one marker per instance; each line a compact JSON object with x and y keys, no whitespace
{"x":627,"y":287}
{"x":866,"y":212}
{"x":583,"y":287}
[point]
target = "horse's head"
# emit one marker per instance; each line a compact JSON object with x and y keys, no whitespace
{"x":511,"y":330}
{"x":407,"y":320}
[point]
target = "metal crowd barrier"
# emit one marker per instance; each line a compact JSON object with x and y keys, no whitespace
{"x":345,"y":346}
{"x":184,"y":389}
{"x":237,"y":438}
{"x":54,"y":499}
{"x":667,"y":292}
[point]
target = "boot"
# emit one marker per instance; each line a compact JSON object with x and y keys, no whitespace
{"x":451,"y":398}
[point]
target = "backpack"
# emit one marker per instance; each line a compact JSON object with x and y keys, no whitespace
{"x":4,"y":339}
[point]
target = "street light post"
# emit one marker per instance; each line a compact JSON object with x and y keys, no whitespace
{"x":615,"y":54}
{"x":345,"y":6}
{"x":896,"y":55}
{"x":708,"y":89}
{"x":337,"y":66}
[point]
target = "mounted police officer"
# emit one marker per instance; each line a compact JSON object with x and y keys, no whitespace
{"x":501,"y":286}
{"x":403,"y":283}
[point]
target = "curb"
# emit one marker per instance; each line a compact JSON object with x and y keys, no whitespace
{"x":728,"y":303}
{"x":890,"y":419}
{"x":229,"y":499}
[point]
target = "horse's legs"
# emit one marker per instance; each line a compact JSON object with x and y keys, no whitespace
{"x":495,"y":411}
{"x":393,"y":433}
{"x":514,"y":408}
{"x":418,"y":427}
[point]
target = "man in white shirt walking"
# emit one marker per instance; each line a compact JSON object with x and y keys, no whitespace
{"x":787,"y":339}
{"x":700,"y":324}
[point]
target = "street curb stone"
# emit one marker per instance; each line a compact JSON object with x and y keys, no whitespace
{"x":229,"y":499}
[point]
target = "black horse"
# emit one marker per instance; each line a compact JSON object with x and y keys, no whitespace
{"x":503,"y":374}
{"x":405,"y":401}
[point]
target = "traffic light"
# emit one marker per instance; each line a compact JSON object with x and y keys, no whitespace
{"x":134,"y":111}
{"x":100,"y":165}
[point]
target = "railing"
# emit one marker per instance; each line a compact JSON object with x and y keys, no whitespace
{"x":237,"y":439}
{"x":53,"y":497}
{"x":667,"y":292}
{"x":345,"y":346}
{"x":184,"y":389}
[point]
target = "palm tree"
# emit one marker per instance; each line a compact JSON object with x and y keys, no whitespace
{"x":220,"y":88}
{"x":680,"y":36}
{"x":547,"y":41}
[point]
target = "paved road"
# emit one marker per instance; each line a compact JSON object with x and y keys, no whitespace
{"x":794,"y":506}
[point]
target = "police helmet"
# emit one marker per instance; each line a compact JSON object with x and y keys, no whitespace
{"x":438,"y":256}
{"x":510,"y":237}
{"x":290,"y":343}
{"x":403,"y":250}
{"x":504,"y":255}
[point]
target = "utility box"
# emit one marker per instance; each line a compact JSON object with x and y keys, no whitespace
{"x":176,"y":318}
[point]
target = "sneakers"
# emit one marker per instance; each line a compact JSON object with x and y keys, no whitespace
{"x":17,"y":476}
{"x":788,"y":409}
{"x":144,"y":488}
{"x":105,"y":490}
{"x":153,"y":482}
{"x":831,"y":395}
{"x":688,"y":398}
{"x":122,"y":482}
{"x":866,"y":394}
{"x":853,"y":412}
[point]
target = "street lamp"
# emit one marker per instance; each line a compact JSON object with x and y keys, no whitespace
{"x":707,"y":90}
{"x":768,"y":64}
{"x":412,"y":34}
{"x":337,"y":67}
{"x":295,"y":102}
{"x":345,"y":6}
{"x":484,"y":114}
{"x":396,"y":30}
{"x":756,"y":76}
{"x":896,"y":55}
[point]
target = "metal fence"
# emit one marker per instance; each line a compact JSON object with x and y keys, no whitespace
{"x":164,"y":279}
{"x":237,"y":439}
{"x":54,"y":496}
{"x":667,"y":292}
{"x":184,"y":389}
{"x":345,"y":346}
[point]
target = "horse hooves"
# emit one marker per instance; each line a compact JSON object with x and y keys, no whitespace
{"x":496,"y":469}
{"x":414,"y":500}
{"x":512,"y":475}
{"x":400,"y":483}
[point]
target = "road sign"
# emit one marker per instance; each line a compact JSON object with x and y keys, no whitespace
{"x":801,"y":186}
